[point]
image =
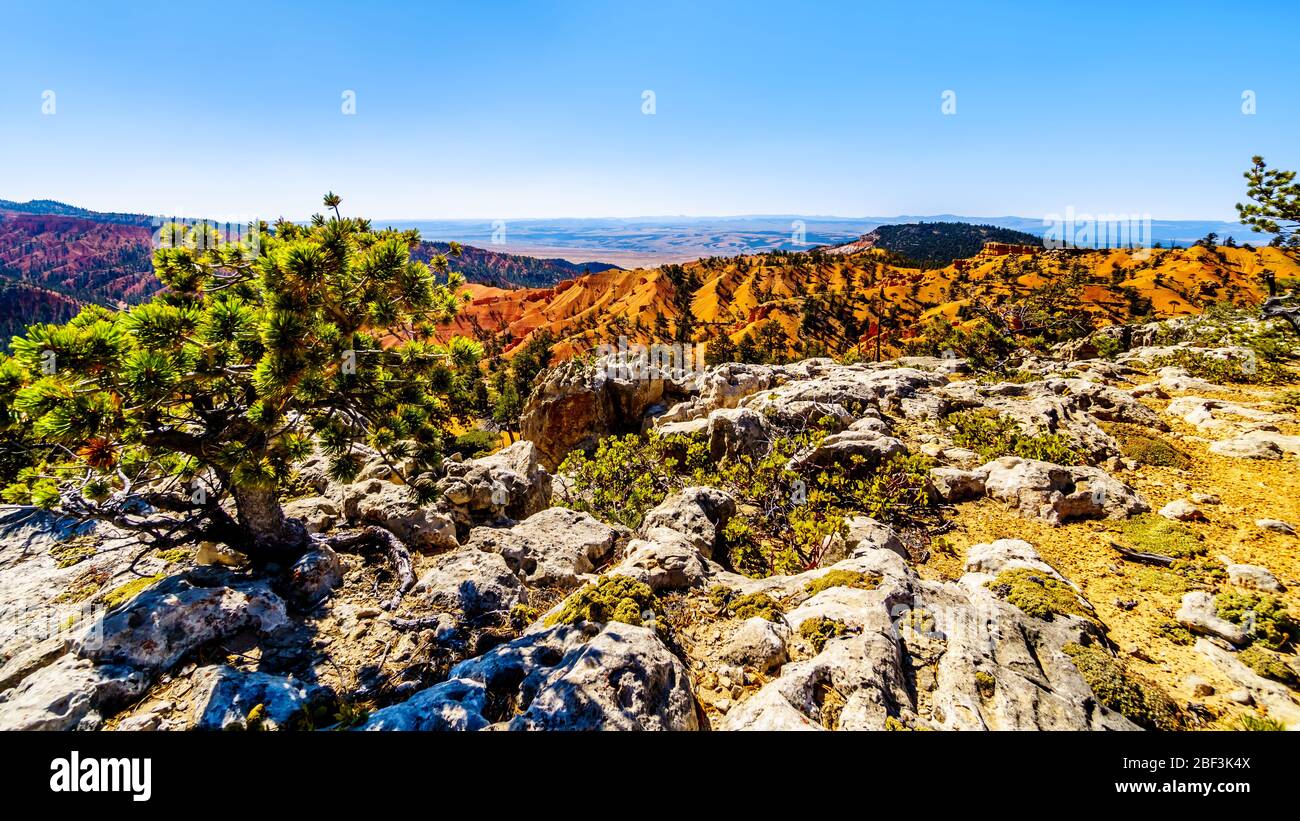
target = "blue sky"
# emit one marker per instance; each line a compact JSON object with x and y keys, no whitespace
{"x":512,"y":110}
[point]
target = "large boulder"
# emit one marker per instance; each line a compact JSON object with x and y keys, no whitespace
{"x":319,"y":514}
{"x":592,"y":677}
{"x":853,"y":451}
{"x":227,"y":698}
{"x":1258,"y":444}
{"x":1246,"y":447}
{"x":48,"y":567}
{"x":757,"y":643}
{"x":509,"y":484}
{"x":620,"y":678}
{"x":1199,"y":614}
{"x":1007,"y":554}
{"x":396,"y":508}
{"x":864,"y":535}
{"x":1277,"y":699}
{"x":576,"y":403}
{"x":820,"y":387}
{"x":177,"y":615}
{"x":666,"y":560}
{"x":70,"y":693}
{"x":722,"y":386}
{"x":698,"y":513}
{"x":314,"y":575}
{"x":1254,"y":577}
{"x":471,"y":582}
{"x":1057,"y":493}
{"x":952,"y":484}
{"x":556,"y":547}
{"x":1214,"y":414}
{"x":736,"y":432}
{"x":455,"y":704}
{"x":1069,"y":407}
{"x":930,"y":655}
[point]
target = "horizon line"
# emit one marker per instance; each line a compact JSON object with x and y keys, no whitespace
{"x":644,"y":217}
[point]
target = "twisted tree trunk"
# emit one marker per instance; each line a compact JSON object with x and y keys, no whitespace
{"x":269,"y":534}
{"x":1276,"y":307}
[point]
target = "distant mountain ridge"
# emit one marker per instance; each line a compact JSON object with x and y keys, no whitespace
{"x":56,"y":208}
{"x":936,"y":244}
{"x":510,"y":270}
{"x":647,"y":241}
{"x":55,"y":257}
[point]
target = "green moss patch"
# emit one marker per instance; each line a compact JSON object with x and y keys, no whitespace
{"x":1038,"y":595}
{"x":88,"y":583}
{"x":1177,"y":634}
{"x":1269,"y":665}
{"x":75,"y":551}
{"x":176,"y":555}
{"x":727,"y":603}
{"x":1137,"y":699}
{"x":843,"y":578}
{"x":1265,"y":617}
{"x":612,"y":598}
{"x":522,"y":615}
{"x":1203,"y":574}
{"x":1145,"y":447}
{"x":755,"y":604}
{"x":1153,"y":533}
{"x":124,"y":593}
{"x":819,"y":630}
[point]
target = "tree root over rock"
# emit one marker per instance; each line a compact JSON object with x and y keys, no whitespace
{"x":375,"y":537}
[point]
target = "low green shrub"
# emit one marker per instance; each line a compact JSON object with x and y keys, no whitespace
{"x":1108,"y":347}
{"x":623,"y":479}
{"x":992,"y":436}
{"x":1252,"y":723}
{"x":982,"y":345}
{"x":474,"y":443}
{"x":1252,"y":370}
{"x":785,"y":518}
{"x":1289,"y":398}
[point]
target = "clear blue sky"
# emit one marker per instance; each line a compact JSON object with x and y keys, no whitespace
{"x":513,"y":109}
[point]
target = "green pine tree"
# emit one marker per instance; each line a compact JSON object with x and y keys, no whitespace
{"x":1275,"y":205}
{"x":181,"y":418}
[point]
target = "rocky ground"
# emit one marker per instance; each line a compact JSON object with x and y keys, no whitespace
{"x":1127,"y":591}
